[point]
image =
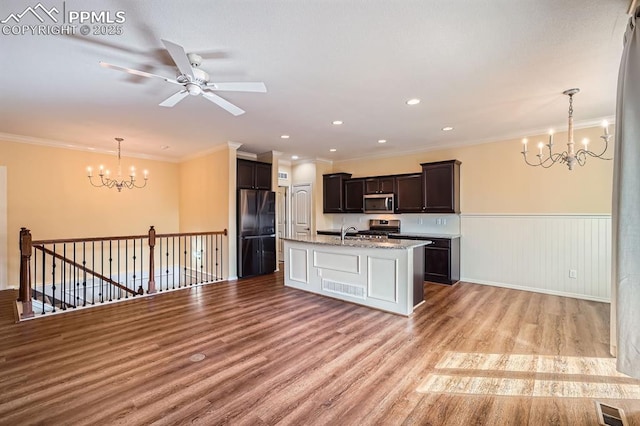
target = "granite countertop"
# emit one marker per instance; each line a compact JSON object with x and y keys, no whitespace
{"x":421,"y":235}
{"x":333,"y":232}
{"x":359,"y":242}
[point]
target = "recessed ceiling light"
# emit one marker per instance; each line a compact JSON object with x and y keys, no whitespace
{"x":382,"y":141}
{"x":284,"y":137}
{"x":336,"y":122}
{"x":414,"y":101}
{"x":332,"y":150}
{"x":294,"y":157}
{"x":447,"y":129}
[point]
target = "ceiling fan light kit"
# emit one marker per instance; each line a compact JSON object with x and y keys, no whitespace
{"x":195,"y":82}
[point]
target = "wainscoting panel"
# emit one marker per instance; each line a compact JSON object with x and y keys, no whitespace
{"x":538,"y":252}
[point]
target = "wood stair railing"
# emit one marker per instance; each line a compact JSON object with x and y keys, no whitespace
{"x":159,"y":262}
{"x":88,"y":271}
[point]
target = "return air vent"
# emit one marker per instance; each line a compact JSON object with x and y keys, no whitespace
{"x":610,"y":416}
{"x":344,"y":289}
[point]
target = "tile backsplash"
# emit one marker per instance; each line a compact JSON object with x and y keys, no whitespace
{"x":419,"y":223}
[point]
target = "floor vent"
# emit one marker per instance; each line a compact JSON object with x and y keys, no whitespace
{"x":610,"y":416}
{"x":344,"y":289}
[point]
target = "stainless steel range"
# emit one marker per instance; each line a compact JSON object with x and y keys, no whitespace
{"x":380,"y":228}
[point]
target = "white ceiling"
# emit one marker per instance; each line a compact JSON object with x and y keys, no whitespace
{"x":493,"y":69}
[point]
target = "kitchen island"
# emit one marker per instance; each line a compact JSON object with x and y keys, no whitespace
{"x":381,"y":274}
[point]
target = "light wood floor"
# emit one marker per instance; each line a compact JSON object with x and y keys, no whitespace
{"x":470,"y":355}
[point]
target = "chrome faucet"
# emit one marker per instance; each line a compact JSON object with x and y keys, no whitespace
{"x":344,"y":232}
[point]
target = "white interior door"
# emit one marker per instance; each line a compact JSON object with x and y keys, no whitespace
{"x":301,"y":210}
{"x":281,"y":211}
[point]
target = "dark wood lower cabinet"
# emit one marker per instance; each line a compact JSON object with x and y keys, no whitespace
{"x":442,"y":261}
{"x":441,"y":258}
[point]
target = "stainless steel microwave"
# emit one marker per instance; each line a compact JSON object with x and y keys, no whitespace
{"x":378,"y":203}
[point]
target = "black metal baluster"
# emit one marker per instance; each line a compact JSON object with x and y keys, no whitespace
{"x":194,"y":254}
{"x":133,"y":285}
{"x":206,"y":252}
{"x":110,"y":271}
{"x":200,"y":238}
{"x":160,"y":261}
{"x":220,"y":254}
{"x":64,"y":277}
{"x":93,"y":268}
{"x":53,"y":286}
{"x":84,"y":274}
{"x":76,"y":280}
{"x":119,"y":291}
{"x":53,"y":274}
{"x":140,"y":289}
{"x":185,"y":261}
{"x":178,"y":266}
{"x":101,"y":271}
{"x":173,"y":265}
{"x":34,"y":292}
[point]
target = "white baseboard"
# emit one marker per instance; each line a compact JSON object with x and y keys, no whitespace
{"x":535,"y":290}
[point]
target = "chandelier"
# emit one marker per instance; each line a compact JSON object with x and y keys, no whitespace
{"x":118,"y":182}
{"x":570,"y":156}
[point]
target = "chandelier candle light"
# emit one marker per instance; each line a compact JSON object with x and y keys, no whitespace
{"x":119,"y":182}
{"x":570,"y":156}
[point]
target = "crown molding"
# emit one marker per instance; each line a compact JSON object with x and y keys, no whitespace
{"x":221,"y":147}
{"x":585,"y":124}
{"x":52,"y":143}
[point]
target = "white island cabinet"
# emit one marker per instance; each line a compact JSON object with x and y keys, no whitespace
{"x":382,"y":274}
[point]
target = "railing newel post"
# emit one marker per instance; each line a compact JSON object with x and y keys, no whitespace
{"x":25,"y":273}
{"x":152,"y":243}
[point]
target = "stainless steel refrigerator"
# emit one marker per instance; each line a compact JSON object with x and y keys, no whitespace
{"x":256,"y":232}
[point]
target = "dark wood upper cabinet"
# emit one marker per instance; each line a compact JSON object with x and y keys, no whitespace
{"x":409,"y":193}
{"x":379,"y":185}
{"x":353,"y":195}
{"x":263,"y":176}
{"x":333,"y":192}
{"x":441,"y":187}
{"x":253,"y":175}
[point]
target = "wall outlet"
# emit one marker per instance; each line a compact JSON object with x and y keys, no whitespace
{"x":573,"y":273}
{"x":438,"y":221}
{"x":419,"y":221}
{"x":444,"y":221}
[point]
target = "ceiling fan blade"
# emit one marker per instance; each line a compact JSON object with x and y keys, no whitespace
{"x":175,"y":98}
{"x":239,"y":87}
{"x":179,"y":56}
{"x":136,"y":72}
{"x":223,"y":103}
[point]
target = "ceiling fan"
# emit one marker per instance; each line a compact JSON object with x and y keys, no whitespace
{"x":194,"y":80}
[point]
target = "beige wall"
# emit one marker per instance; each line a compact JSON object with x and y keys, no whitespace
{"x":204,"y":193}
{"x":49,"y":193}
{"x":206,"y":201}
{"x":494,"y":178}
